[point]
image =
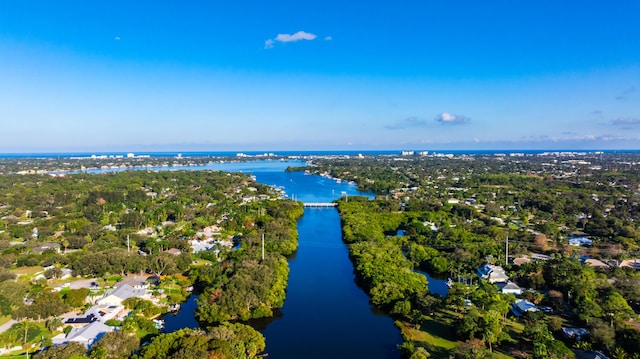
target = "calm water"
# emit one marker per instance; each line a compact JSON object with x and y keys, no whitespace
{"x":325,"y":315}
{"x":436,"y":285}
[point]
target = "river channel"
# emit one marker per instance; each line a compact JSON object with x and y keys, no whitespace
{"x":325,"y":315}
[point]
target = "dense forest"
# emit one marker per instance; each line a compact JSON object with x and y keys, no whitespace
{"x":106,"y":226}
{"x":448,"y":216}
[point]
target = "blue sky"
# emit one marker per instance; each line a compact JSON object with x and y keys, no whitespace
{"x":276,"y":75}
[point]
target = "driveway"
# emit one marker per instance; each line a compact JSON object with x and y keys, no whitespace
{"x":7,"y":325}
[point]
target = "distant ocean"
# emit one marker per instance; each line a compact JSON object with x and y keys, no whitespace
{"x":291,"y":153}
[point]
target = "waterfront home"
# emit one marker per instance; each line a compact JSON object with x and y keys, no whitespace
{"x":492,"y":273}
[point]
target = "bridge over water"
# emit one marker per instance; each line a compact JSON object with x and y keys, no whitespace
{"x":320,"y":204}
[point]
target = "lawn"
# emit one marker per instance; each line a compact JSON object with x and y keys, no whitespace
{"x":27,"y":271}
{"x":437,"y":333}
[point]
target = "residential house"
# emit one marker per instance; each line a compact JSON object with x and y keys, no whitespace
{"x":137,"y":282}
{"x":43,"y":247}
{"x":521,"y":260}
{"x":592,"y":262}
{"x":540,"y":257}
{"x":86,"y":336}
{"x":124,"y":291}
{"x":522,"y":306}
{"x":575,"y":333}
{"x":97,"y":313}
{"x":509,"y":287}
{"x":580,"y":241}
{"x":631,"y":263}
{"x":492,"y":273}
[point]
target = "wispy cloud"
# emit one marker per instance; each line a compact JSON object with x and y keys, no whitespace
{"x":298,"y":36}
{"x":626,"y":122}
{"x":409,"y":122}
{"x":117,"y":38}
{"x":625,"y":94}
{"x":328,"y":38}
{"x":451,"y":119}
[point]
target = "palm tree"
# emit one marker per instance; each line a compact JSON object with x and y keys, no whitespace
{"x":619,"y":353}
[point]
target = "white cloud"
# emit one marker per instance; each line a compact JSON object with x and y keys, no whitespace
{"x":117,"y":38}
{"x":449,"y":118}
{"x":300,"y":35}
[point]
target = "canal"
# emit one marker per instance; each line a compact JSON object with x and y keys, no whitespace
{"x":325,"y":315}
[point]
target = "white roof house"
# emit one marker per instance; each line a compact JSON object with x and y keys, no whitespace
{"x":116,"y":296}
{"x":509,"y":288}
{"x":492,"y":274}
{"x":137,"y":282}
{"x":86,"y":336}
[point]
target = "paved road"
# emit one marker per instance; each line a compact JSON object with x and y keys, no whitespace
{"x":7,"y":325}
